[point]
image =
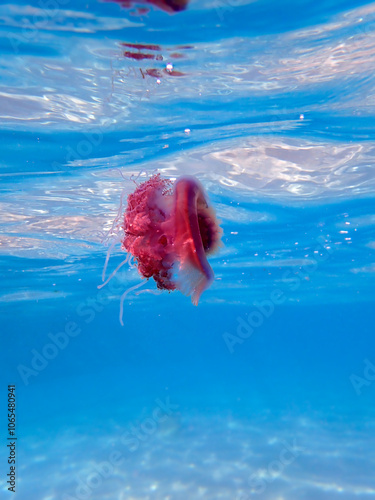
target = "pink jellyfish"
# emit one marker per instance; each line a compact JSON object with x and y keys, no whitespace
{"x":170,"y":229}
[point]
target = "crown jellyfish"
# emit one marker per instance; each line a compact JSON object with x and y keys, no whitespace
{"x":170,"y":229}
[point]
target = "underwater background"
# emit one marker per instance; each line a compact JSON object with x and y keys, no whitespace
{"x":267,"y":388}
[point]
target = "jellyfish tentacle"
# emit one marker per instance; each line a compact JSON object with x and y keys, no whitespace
{"x":115,"y":271}
{"x":123,"y":297}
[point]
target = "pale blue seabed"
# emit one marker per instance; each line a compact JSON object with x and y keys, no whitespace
{"x":203,"y":457}
{"x":273,"y":110}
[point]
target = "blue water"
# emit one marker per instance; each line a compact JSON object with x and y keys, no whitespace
{"x":266,"y":389}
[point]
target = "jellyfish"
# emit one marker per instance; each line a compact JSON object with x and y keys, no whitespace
{"x":170,"y":230}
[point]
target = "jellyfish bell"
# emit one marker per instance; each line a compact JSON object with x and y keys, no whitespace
{"x":196,"y":234}
{"x":170,"y":229}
